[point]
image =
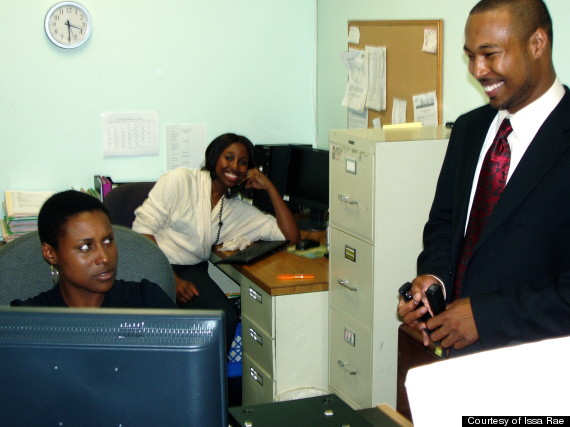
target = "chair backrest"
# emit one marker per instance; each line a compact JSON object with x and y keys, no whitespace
{"x":24,"y":273}
{"x":122,"y":201}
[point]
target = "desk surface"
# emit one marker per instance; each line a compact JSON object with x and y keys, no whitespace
{"x":264,"y":273}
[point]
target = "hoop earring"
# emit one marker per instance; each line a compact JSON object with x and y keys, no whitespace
{"x":54,"y":275}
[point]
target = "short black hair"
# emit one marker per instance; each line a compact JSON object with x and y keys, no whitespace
{"x":219,"y":144}
{"x":530,"y":15}
{"x":56,"y":211}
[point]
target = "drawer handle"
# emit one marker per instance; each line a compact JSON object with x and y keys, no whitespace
{"x":256,"y":337}
{"x":255,"y":295}
{"x":346,"y":367}
{"x":345,"y":283}
{"x":256,"y":376}
{"x":346,"y":199}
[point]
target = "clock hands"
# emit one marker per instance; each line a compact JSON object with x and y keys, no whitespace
{"x":69,"y":32}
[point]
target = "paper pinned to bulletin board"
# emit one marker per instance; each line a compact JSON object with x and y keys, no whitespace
{"x":413,"y":59}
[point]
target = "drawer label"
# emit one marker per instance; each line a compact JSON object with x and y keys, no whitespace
{"x":350,"y":253}
{"x":349,"y":336}
{"x":350,"y":166}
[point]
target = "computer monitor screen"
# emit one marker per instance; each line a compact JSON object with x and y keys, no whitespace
{"x":308,"y":182}
{"x":129,"y":367}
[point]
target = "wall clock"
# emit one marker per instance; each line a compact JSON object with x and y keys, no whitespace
{"x":68,"y":24}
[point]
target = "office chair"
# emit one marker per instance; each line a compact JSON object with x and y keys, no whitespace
{"x":24,"y":273}
{"x":122,"y":201}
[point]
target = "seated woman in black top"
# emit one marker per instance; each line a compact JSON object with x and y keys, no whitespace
{"x":77,"y":241}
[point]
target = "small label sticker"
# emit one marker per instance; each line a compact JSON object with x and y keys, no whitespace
{"x":349,"y":336}
{"x":350,"y":166}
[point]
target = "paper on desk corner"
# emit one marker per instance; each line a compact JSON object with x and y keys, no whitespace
{"x":235,"y":244}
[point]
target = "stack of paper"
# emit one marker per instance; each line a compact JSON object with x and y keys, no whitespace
{"x":21,"y":210}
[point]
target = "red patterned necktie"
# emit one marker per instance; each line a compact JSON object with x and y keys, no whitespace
{"x":492,"y":180}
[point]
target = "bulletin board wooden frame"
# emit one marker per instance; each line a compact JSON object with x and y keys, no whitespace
{"x":409,"y":70}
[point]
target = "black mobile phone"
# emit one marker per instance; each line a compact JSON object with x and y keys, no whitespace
{"x":434,"y":295}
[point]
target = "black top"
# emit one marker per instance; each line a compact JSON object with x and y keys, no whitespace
{"x":123,"y":294}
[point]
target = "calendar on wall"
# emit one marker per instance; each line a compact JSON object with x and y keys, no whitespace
{"x":130,"y":133}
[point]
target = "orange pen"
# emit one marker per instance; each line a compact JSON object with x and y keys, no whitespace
{"x":295,"y":276}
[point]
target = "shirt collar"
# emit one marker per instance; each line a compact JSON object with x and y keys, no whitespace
{"x":527,"y":121}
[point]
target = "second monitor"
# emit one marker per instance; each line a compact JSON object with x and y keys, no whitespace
{"x":307,"y":184}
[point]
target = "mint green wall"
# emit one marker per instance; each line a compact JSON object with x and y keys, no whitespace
{"x":460,"y":91}
{"x":245,"y":66}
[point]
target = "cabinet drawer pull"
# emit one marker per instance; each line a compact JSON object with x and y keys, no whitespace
{"x":256,"y":337}
{"x":255,"y":295}
{"x":345,"y":283}
{"x":256,"y":376}
{"x":346,"y":367}
{"x":346,"y":199}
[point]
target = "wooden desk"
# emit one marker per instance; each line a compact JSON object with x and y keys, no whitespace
{"x":284,"y":325}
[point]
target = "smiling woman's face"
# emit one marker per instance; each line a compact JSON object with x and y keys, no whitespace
{"x":86,"y":258}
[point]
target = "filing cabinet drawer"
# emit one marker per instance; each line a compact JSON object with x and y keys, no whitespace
{"x":257,"y":385}
{"x":258,"y":345}
{"x":351,"y":363}
{"x":351,"y":283}
{"x":351,"y":195}
{"x":258,"y":304}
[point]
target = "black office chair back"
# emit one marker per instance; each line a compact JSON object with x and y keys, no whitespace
{"x":122,"y":201}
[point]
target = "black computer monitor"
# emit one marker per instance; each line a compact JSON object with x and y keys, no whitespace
{"x":129,"y":367}
{"x":308,"y":183}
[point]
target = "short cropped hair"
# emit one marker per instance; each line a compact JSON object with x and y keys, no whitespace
{"x":218,"y":145}
{"x":529,"y":15}
{"x":59,"y":208}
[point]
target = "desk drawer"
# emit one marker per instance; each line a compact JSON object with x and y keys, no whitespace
{"x":351,"y":276}
{"x":258,"y":345}
{"x":258,"y":305}
{"x":351,"y":365}
{"x":257,"y":385}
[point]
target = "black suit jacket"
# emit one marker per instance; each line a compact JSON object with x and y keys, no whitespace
{"x":518,"y":278}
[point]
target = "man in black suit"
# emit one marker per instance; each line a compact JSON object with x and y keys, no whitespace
{"x":513,"y":283}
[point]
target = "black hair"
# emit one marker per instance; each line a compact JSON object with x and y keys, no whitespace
{"x":529,"y":15}
{"x":219,"y":144}
{"x":56,"y":211}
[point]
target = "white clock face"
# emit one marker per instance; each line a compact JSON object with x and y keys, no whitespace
{"x":68,"y":24}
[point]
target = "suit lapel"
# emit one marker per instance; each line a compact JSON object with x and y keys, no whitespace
{"x":552,"y":139}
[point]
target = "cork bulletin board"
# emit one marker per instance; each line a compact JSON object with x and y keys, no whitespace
{"x":409,"y":70}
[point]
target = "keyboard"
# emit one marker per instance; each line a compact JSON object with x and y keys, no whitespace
{"x":254,"y":252}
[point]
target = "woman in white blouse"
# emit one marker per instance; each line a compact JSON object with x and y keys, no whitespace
{"x":188,"y":211}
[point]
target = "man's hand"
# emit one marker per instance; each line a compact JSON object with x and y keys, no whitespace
{"x":185,"y":290}
{"x":455,"y":327}
{"x":409,"y":311}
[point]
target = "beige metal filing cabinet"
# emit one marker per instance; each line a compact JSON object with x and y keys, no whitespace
{"x":381,"y":188}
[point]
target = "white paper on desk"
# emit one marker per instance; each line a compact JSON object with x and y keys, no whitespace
{"x":357,"y":87}
{"x":522,"y":380}
{"x":425,"y":108}
{"x":130,"y":133}
{"x":399,"y":106}
{"x":376,"y":94}
{"x":185,"y":145}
